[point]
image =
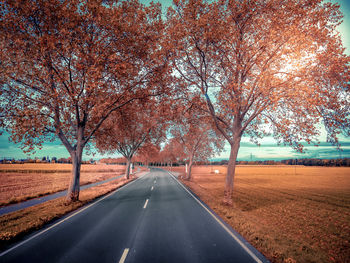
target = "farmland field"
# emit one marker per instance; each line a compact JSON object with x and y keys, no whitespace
{"x":19,"y":182}
{"x":289,"y":213}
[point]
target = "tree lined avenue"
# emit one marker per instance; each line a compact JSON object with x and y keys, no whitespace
{"x":120,"y":76}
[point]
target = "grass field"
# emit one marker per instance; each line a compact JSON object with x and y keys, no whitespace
{"x":15,"y":225}
{"x":19,"y":182}
{"x":289,"y":213}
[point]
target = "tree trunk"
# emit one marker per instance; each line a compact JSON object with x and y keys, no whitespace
{"x":74,"y":185}
{"x":127,"y":169}
{"x":231,"y":172}
{"x":189,"y":172}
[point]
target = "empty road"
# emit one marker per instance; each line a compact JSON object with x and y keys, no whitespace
{"x":153,"y":219}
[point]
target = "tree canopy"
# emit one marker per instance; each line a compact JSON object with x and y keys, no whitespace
{"x":194,"y":137}
{"x":134,"y":126}
{"x":256,"y":68}
{"x":67,"y":65}
{"x":263,"y":67}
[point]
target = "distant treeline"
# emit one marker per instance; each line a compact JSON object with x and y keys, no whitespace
{"x":305,"y":161}
{"x":6,"y":160}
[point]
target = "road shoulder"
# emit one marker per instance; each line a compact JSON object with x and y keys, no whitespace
{"x":249,"y":248}
{"x":19,"y":225}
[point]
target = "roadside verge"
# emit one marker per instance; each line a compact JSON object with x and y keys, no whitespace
{"x":14,"y":226}
{"x":251,"y":250}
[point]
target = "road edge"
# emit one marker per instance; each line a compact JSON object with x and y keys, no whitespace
{"x":65,"y":217}
{"x":249,"y":248}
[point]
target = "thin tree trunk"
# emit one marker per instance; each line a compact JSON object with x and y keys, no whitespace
{"x":231,"y":172}
{"x":127,"y":169}
{"x":189,"y":172}
{"x":74,"y":185}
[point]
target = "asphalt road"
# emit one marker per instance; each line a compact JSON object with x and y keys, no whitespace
{"x":153,"y":219}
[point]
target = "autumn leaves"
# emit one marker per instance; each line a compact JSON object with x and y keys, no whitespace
{"x":110,"y":71}
{"x":263,"y":68}
{"x":66,"y":66}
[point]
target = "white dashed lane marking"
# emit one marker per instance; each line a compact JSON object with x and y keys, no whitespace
{"x":125,"y":253}
{"x":145,"y":205}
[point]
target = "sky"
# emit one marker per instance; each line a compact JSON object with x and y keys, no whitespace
{"x":268,"y":150}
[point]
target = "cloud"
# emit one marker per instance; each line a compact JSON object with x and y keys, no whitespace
{"x":271,"y":151}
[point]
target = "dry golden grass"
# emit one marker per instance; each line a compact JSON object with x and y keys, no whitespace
{"x":16,"y":224}
{"x":56,"y":167}
{"x":19,"y":182}
{"x":290,"y":214}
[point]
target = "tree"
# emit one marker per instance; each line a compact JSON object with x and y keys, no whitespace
{"x":172,"y":152}
{"x":194,"y":135}
{"x":263,"y":67}
{"x":149,"y":153}
{"x":67,"y":65}
{"x":126,"y":131}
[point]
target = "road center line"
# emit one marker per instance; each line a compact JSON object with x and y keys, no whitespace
{"x":145,"y":205}
{"x":152,"y":188}
{"x":125,"y":253}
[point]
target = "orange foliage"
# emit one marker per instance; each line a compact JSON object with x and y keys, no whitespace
{"x":67,"y":65}
{"x":129,"y":129}
{"x":194,"y":138}
{"x":263,"y":67}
